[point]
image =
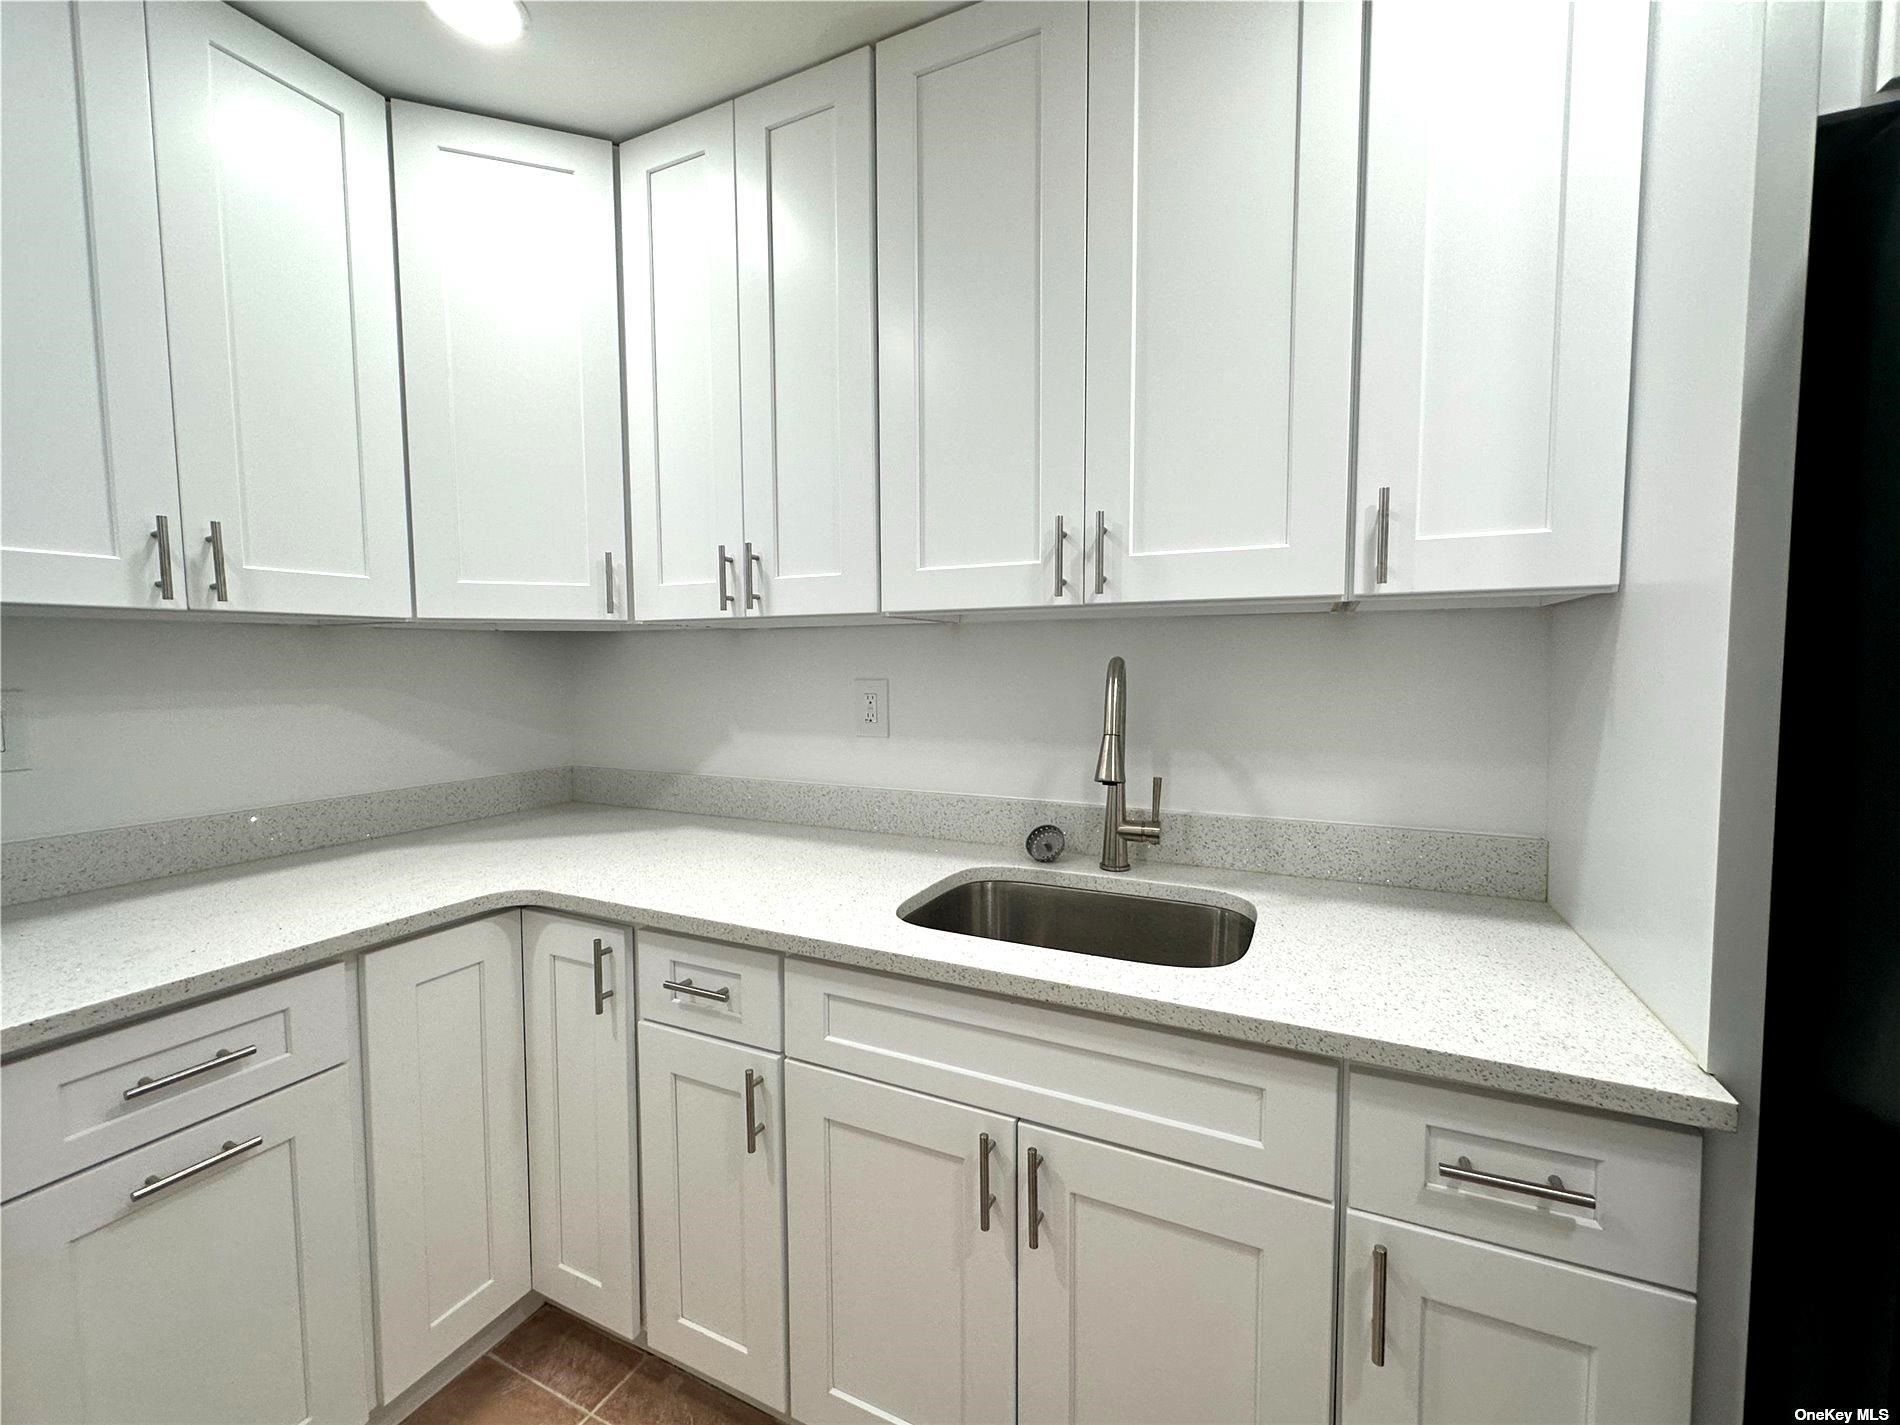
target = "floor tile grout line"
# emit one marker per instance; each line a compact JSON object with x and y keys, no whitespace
{"x":541,"y":1385}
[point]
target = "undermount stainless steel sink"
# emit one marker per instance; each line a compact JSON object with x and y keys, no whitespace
{"x":1114,"y":924}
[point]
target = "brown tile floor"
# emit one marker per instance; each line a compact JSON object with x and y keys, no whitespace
{"x":556,"y":1370}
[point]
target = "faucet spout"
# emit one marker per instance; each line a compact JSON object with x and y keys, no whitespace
{"x":1110,"y":766}
{"x":1119,"y":825}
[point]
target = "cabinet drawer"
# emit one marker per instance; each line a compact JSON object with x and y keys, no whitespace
{"x":1410,"y":1144}
{"x":734,"y":992}
{"x":1255,"y":1113}
{"x":78,"y":1105}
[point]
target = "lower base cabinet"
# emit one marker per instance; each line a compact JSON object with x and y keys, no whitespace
{"x":1485,"y":1335}
{"x":233,"y":1294}
{"x":1152,"y":1291}
{"x":902,"y":1210}
{"x":712,"y":1208}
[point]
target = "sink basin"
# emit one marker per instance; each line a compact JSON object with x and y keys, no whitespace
{"x":1114,"y":924}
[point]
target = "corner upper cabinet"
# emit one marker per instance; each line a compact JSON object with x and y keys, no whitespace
{"x":679,"y":254}
{"x":511,"y":354}
{"x":808,"y":341}
{"x":280,"y":285}
{"x":89,"y":493}
{"x":1223,"y":160}
{"x":982,"y":136}
{"x":1503,"y":162}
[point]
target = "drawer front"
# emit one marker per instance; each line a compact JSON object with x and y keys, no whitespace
{"x":1256,"y":1113}
{"x":1420,"y":1152}
{"x":702,"y":985}
{"x":69,"y":1108}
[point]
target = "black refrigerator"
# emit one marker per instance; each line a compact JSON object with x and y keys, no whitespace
{"x":1824,"y":1310}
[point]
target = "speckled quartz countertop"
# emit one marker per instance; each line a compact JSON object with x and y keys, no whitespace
{"x":1473,"y":990}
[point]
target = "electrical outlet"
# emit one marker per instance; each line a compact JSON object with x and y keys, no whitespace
{"x":12,"y":739}
{"x":871,"y":707}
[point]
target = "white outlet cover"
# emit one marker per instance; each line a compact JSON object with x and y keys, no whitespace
{"x":871,"y":707}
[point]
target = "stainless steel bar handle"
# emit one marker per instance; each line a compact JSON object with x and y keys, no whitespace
{"x":752,"y":560}
{"x":225,"y":1154}
{"x":1035,"y":1212}
{"x":985,"y":1199}
{"x":610,"y":583}
{"x":726,"y":600}
{"x":1552,"y":1191}
{"x":1382,"y":536}
{"x":216,"y":1061}
{"x":687,"y":987}
{"x":1101,"y":552}
{"x":1378,"y":1306}
{"x":1062,"y":582}
{"x":163,"y":534}
{"x":602,"y":991}
{"x":220,"y":582}
{"x":753,"y":1128}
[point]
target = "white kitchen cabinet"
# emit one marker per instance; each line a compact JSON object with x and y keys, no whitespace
{"x":1154,"y":1291}
{"x":1223,"y":158}
{"x":808,"y":341}
{"x":1860,"y":53}
{"x":679,"y":257}
{"x":902,"y":1231}
{"x":1498,"y":296}
{"x":233,"y":1293}
{"x":982,"y":134}
{"x":511,"y":362}
{"x":1487,"y":1336}
{"x":712,"y":1208}
{"x":280,"y":287}
{"x":89,"y":494}
{"x":448,"y":1117}
{"x":577,"y":1000}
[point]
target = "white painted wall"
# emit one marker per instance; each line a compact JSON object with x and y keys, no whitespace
{"x":1414,"y":719}
{"x":116,"y":722}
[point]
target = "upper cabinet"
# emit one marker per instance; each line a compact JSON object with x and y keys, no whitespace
{"x":751,"y":338}
{"x":1503,"y":159}
{"x":280,"y":277}
{"x":511,"y":359}
{"x":1223,"y":155}
{"x":89,"y":503}
{"x":982,"y":140}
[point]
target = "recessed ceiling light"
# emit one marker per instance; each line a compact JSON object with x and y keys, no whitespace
{"x":487,"y":22}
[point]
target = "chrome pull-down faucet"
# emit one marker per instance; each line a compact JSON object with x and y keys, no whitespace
{"x":1119,"y":825}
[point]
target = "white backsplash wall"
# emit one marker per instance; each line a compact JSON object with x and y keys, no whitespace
{"x":1409,"y":719}
{"x":113,"y":722}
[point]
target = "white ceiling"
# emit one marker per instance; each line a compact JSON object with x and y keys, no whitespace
{"x":612,"y":68}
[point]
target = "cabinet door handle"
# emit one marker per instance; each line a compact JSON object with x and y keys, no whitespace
{"x":220,"y":582}
{"x":230,"y":1150}
{"x":1062,"y":582}
{"x":1035,"y":1211}
{"x":1101,"y":552}
{"x":178,"y":1076}
{"x":985,"y":1199}
{"x":1553,"y":1191}
{"x":1382,"y":536}
{"x":602,"y":993}
{"x":753,"y":1128}
{"x":752,"y":561}
{"x":1378,"y":1306}
{"x":726,"y":600}
{"x":610,"y":583}
{"x":163,"y":534}
{"x":687,"y":987}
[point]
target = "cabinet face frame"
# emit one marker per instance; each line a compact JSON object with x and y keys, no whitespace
{"x":285,"y":380}
{"x":547,"y":201}
{"x":90,"y":471}
{"x":1010,"y":422}
{"x":1183,"y":442}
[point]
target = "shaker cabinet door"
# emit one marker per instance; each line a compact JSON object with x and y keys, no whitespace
{"x":88,"y":479}
{"x":280,"y":286}
{"x":511,"y":361}
{"x":1498,"y":296}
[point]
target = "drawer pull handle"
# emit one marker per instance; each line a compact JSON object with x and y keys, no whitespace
{"x":985,"y":1199}
{"x":1035,"y":1210}
{"x":753,"y":1128}
{"x":230,"y":1150}
{"x":601,"y":991}
{"x":218,"y":1060}
{"x":687,"y":987}
{"x":1552,"y":1191}
{"x":1378,"y":1306}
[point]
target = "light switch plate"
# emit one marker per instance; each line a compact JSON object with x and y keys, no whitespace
{"x":871,"y":707}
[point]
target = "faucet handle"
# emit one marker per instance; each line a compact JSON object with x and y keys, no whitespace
{"x":1154,"y":812}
